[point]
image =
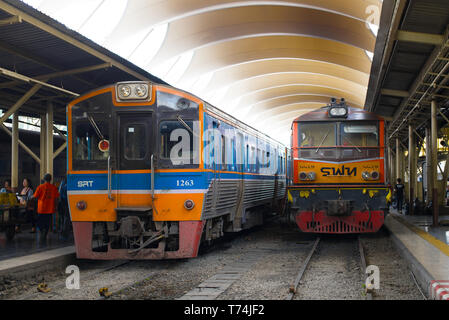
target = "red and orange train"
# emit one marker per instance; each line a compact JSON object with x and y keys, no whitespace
{"x":339,"y":182}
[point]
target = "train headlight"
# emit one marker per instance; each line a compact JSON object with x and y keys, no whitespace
{"x":375,"y":175}
{"x":338,"y":112}
{"x":307,"y":175}
{"x":133,"y":91}
{"x":311,"y":176}
{"x":141,"y":90}
{"x":189,"y":204}
{"x":124,"y":91}
{"x":366,"y":175}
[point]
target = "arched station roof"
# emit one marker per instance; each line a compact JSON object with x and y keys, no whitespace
{"x":258,"y":60}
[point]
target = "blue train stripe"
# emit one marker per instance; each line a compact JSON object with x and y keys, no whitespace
{"x":163,"y":180}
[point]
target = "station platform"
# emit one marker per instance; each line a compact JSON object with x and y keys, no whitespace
{"x":25,"y":256}
{"x":427,"y":250}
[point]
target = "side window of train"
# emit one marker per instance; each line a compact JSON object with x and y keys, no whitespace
{"x":253,"y":159}
{"x":240,"y":153}
{"x":233,"y":154}
{"x":223,"y":152}
{"x":247,"y":158}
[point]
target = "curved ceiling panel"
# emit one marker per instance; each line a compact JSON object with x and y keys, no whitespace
{"x":140,"y":13}
{"x":238,"y":23}
{"x":266,"y":62}
{"x":239,"y":51}
{"x":233,"y":73}
{"x":252,"y":98}
{"x":281,"y":104}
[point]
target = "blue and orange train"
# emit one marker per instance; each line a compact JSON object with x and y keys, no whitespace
{"x":154,"y":171}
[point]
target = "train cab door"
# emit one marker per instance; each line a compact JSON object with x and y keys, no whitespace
{"x":134,"y":156}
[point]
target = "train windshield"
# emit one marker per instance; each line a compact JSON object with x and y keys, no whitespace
{"x":317,"y":134}
{"x":360,"y":135}
{"x":177,"y":142}
{"x":90,"y":126}
{"x":338,"y":141}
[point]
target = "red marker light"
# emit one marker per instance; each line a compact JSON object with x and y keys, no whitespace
{"x":103,"y":145}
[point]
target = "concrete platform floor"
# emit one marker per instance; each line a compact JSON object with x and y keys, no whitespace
{"x":426,"y":249}
{"x":26,"y":243}
{"x":425,"y":223}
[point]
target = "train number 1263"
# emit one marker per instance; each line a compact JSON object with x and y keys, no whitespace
{"x":184,"y":183}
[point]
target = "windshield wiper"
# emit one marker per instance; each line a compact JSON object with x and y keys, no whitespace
{"x":95,"y":126}
{"x":322,"y":141}
{"x":352,"y":144}
{"x":185,"y":125}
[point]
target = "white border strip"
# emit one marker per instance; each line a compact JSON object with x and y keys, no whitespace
{"x":350,"y":161}
{"x":161,"y":191}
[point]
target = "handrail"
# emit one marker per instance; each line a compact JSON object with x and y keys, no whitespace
{"x":152,"y":177}
{"x":110,"y":179}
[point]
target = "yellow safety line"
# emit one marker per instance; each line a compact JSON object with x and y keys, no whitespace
{"x":443,"y":247}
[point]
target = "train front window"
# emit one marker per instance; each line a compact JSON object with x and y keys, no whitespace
{"x":90,"y":126}
{"x":86,"y":140}
{"x":317,"y":135}
{"x":359,"y":135}
{"x":176,"y":143}
{"x":135,"y":140}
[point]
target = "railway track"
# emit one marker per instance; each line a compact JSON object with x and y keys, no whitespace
{"x":295,"y":286}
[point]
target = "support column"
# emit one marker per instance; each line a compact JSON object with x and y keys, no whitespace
{"x":412,"y":168}
{"x":15,"y":152}
{"x":43,"y":147}
{"x":390,"y":165}
{"x":398,"y":160}
{"x":429,"y":182}
{"x":49,"y":138}
{"x":434,"y":167}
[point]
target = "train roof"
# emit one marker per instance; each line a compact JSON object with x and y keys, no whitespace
{"x":353,"y":114}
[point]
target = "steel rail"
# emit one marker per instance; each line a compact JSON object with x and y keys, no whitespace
{"x":369,"y":295}
{"x":294,"y":286}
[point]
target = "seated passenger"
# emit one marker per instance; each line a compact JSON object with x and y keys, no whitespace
{"x":26,"y":199}
{"x":7,"y":187}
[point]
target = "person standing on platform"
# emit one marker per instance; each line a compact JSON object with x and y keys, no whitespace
{"x":46,"y":195}
{"x":399,"y":189}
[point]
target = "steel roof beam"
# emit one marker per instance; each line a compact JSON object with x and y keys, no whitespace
{"x":10,"y":20}
{"x":18,"y":76}
{"x":61,"y":35}
{"x":20,"y":102}
{"x":23,"y":145}
{"x":394,"y":93}
{"x":419,"y":37}
{"x":32,"y":57}
{"x":61,"y":74}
